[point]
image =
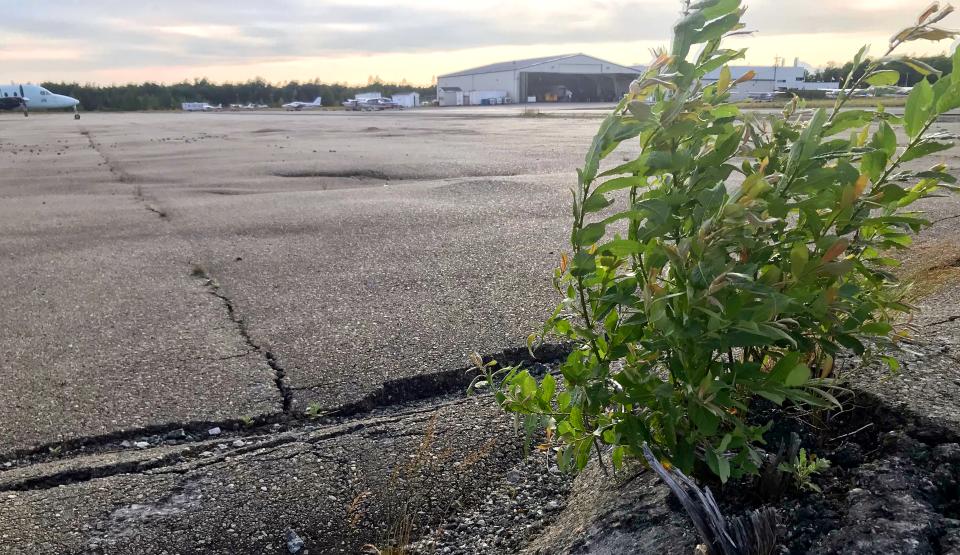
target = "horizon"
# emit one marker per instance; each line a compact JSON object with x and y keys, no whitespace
{"x":347,"y":43}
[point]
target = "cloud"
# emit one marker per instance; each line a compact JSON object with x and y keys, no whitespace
{"x":120,"y":35}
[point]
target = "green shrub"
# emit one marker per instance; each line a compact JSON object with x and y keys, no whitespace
{"x":732,"y":259}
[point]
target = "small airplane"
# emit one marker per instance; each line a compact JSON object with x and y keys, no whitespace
{"x":28,"y":97}
{"x":370,"y":104}
{"x":764,"y":96}
{"x":379,"y":104}
{"x":297,"y":105}
{"x":200,"y":107}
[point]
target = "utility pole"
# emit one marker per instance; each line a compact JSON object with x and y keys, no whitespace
{"x":777,"y":60}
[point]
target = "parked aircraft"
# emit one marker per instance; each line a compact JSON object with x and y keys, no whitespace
{"x":297,"y":105}
{"x":250,"y":106}
{"x":369,"y":104}
{"x":858,"y":93}
{"x":379,"y":104}
{"x":28,"y":97}
{"x":200,"y":107}
{"x":764,"y":96}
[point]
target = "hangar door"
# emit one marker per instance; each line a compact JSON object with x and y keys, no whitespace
{"x":573,"y":87}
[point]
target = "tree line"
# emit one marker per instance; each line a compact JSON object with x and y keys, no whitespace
{"x":908,"y":75}
{"x":158,"y":96}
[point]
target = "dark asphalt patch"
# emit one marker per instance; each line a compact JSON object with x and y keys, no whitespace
{"x":351,"y":174}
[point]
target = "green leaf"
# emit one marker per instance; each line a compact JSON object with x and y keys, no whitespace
{"x":622,"y":247}
{"x":595,"y":203}
{"x":790,"y":371}
{"x":720,"y":60}
{"x":877,"y":328}
{"x":848,"y":120}
{"x":885,"y":139}
{"x":883,"y":78}
{"x":715,"y":8}
{"x":924,"y":148}
{"x":955,"y":74}
{"x":617,"y":457}
{"x":718,"y":464}
{"x":716,"y":28}
{"x":583,"y":453}
{"x":856,"y":63}
{"x":725,"y":79}
{"x":590,"y":234}
{"x":919,"y":108}
{"x":583,"y":264}
{"x":799,"y":256}
{"x":725,"y":111}
{"x":947,"y":94}
{"x":772,"y":396}
{"x":620,"y":183}
{"x":804,"y":147}
{"x":547,"y":388}
{"x":640,"y":110}
{"x":657,"y":210}
{"x":920,"y":67}
{"x":798,"y":375}
{"x":705,"y":420}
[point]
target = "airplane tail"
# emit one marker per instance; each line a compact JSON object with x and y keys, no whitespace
{"x":317,"y":100}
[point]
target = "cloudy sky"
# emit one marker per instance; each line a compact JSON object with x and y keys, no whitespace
{"x":118,"y":41}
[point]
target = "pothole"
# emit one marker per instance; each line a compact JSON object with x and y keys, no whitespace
{"x":343,"y":174}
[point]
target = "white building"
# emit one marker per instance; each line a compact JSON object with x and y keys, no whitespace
{"x":407,"y":100}
{"x":573,"y":77}
{"x":769,"y":79}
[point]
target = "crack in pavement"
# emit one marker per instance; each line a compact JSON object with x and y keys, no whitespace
{"x":402,"y":397}
{"x":123,"y":176}
{"x":280,"y":373}
{"x":946,"y":321}
{"x":206,"y":453}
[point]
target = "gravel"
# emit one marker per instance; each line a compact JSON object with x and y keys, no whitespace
{"x":518,"y":506}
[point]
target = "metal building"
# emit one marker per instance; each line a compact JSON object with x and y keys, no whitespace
{"x":572,"y":78}
{"x":770,"y":79}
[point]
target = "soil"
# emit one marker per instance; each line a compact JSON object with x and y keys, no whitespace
{"x":892,"y":486}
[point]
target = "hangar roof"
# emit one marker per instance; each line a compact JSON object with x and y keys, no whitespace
{"x":529,"y":63}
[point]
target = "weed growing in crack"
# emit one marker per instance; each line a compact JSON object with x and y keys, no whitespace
{"x":734,"y":258}
{"x":422,"y":484}
{"x":804,"y":467}
{"x":314,"y":411}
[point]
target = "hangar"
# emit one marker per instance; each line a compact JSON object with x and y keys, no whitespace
{"x":571,"y":77}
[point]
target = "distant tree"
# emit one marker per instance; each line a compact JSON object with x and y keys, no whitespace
{"x":908,"y":76}
{"x":158,"y":96}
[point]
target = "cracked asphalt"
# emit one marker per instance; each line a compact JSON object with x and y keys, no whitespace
{"x":402,"y":244}
{"x":170,"y":273}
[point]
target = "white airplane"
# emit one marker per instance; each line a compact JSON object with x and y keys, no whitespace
{"x":200,"y":107}
{"x":32,"y":97}
{"x":297,"y":105}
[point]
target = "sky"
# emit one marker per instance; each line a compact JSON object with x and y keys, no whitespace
{"x":122,"y":41}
